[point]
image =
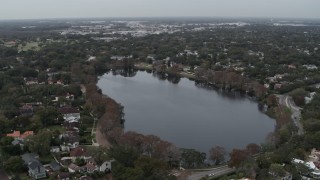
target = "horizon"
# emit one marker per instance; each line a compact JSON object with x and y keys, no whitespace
{"x":59,"y":9}
{"x":163,"y":17}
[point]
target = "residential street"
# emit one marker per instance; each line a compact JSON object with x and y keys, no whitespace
{"x":287,"y":101}
{"x":219,"y":171}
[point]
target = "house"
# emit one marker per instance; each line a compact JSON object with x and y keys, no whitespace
{"x":291,"y":66}
{"x":66,"y":161}
{"x":105,"y":167}
{"x":310,"y":66}
{"x":55,"y":166}
{"x":70,"y":139}
{"x":31,"y":81}
{"x":18,"y":135}
{"x":70,"y":114}
{"x":78,"y":152}
{"x":64,"y":147}
{"x":314,"y":171}
{"x":91,"y":161}
{"x":278,"y":86}
{"x":15,"y":134}
{"x":90,"y":168}
{"x":35,"y":169}
{"x":64,"y":176}
{"x":18,"y":141}
{"x":73,"y":168}
{"x":91,"y":58}
{"x":69,"y":97}
{"x":55,"y":149}
{"x":71,"y":125}
{"x":26,"y":134}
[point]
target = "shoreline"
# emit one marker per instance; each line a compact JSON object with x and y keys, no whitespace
{"x":109,"y":119}
{"x":103,"y":138}
{"x":272,"y":130}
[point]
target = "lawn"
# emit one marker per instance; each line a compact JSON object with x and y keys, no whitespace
{"x":29,"y":46}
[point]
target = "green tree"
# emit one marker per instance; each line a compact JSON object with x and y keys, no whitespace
{"x":14,"y":164}
{"x":151,"y":167}
{"x":40,"y":143}
{"x":193,"y":158}
{"x":49,"y":116}
{"x":124,"y":155}
{"x":100,"y":155}
{"x":277,"y":170}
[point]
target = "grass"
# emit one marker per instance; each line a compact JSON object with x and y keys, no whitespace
{"x":22,"y":176}
{"x":29,"y":46}
{"x":87,"y":136}
{"x":288,"y":110}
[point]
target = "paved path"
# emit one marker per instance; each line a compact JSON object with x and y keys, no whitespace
{"x":219,"y":171}
{"x":287,"y":101}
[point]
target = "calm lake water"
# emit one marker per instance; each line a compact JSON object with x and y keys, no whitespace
{"x":185,"y":114}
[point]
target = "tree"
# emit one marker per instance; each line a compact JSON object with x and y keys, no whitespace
{"x":6,"y":140}
{"x":217,"y":154}
{"x":192,"y":158}
{"x":100,"y":155}
{"x":151,"y":167}
{"x":124,"y":155}
{"x":236,"y":157}
{"x":298,"y":96}
{"x":263,"y":161}
{"x":80,"y":162}
{"x":272,"y":100}
{"x":14,"y":164}
{"x":249,"y":168}
{"x":40,"y":143}
{"x":277,"y":170}
{"x":253,"y":148}
{"x":49,"y":116}
{"x":13,"y":150}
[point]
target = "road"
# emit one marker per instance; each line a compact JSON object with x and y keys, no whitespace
{"x":219,"y":171}
{"x":287,"y":101}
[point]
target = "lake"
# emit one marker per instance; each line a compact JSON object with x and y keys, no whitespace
{"x":185,"y":114}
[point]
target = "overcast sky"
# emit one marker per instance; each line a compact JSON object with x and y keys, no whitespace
{"x":35,"y":9}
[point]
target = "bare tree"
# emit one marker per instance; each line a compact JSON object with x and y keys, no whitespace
{"x":217,"y":154}
{"x":253,"y":148}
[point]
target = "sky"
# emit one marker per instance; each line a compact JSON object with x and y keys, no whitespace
{"x":42,"y":9}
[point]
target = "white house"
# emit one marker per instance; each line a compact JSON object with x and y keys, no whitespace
{"x":70,"y":114}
